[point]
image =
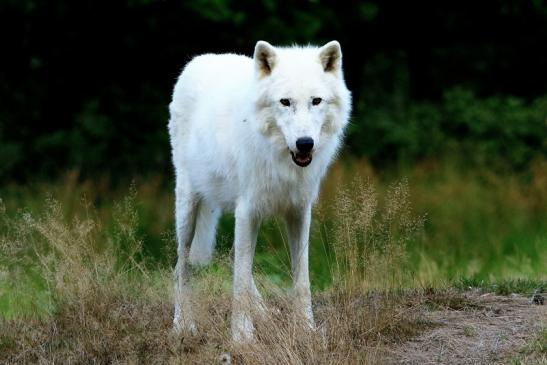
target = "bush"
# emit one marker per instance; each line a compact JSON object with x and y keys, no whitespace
{"x":499,"y":130}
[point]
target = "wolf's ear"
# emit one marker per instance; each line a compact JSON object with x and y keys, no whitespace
{"x":330,"y":56}
{"x":265,"y":57}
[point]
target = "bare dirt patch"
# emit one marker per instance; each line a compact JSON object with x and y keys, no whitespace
{"x":479,"y":329}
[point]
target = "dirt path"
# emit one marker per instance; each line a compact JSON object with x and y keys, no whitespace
{"x":492,"y":330}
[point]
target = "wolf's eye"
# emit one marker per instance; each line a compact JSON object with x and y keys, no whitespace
{"x":285,"y":102}
{"x":316,"y":101}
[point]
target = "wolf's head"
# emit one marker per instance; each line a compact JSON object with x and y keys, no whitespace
{"x":303,"y":103}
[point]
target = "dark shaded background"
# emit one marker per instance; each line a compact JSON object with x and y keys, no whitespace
{"x":85,"y":84}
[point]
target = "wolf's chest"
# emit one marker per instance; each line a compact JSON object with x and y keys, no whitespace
{"x":275,"y":193}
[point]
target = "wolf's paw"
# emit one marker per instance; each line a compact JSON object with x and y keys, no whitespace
{"x":304,"y":315}
{"x":184,"y":326}
{"x":309,"y":324}
{"x":242,"y":328}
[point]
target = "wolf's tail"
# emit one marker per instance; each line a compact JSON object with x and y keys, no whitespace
{"x":203,"y":242}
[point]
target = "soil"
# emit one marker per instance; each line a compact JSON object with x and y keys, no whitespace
{"x":491,"y":329}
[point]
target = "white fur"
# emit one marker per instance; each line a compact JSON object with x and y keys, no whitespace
{"x":231,"y":139}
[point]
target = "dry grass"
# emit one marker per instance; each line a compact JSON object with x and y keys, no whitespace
{"x":480,"y":224}
{"x":116,"y":328}
{"x":369,"y":237}
{"x":109,"y":305}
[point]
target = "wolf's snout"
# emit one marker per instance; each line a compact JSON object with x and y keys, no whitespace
{"x":304,"y":144}
{"x":303,"y":157}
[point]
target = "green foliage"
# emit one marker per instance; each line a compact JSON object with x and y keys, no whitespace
{"x":80,"y":91}
{"x":498,"y":130}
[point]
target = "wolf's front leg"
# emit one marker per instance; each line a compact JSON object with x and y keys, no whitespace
{"x":246,"y":231}
{"x":298,"y":230}
{"x":186,"y":207}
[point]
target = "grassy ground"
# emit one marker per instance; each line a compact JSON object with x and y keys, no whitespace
{"x":85,"y":271}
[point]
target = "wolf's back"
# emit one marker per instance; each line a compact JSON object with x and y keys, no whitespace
{"x":213,"y":80}
{"x":211,"y":90}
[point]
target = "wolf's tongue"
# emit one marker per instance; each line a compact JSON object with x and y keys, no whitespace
{"x":302,"y":159}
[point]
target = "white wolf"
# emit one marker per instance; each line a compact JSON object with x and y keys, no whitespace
{"x":253,"y":137}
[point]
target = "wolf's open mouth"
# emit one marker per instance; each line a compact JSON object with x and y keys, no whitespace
{"x":302,"y":159}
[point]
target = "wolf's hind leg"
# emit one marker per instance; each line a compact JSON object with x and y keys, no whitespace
{"x":203,"y":242}
{"x":186,"y":209}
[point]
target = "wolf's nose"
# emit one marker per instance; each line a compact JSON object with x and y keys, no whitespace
{"x":304,"y":144}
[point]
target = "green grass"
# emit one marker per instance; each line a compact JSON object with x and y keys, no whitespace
{"x":480,"y":229}
{"x":504,"y":286}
